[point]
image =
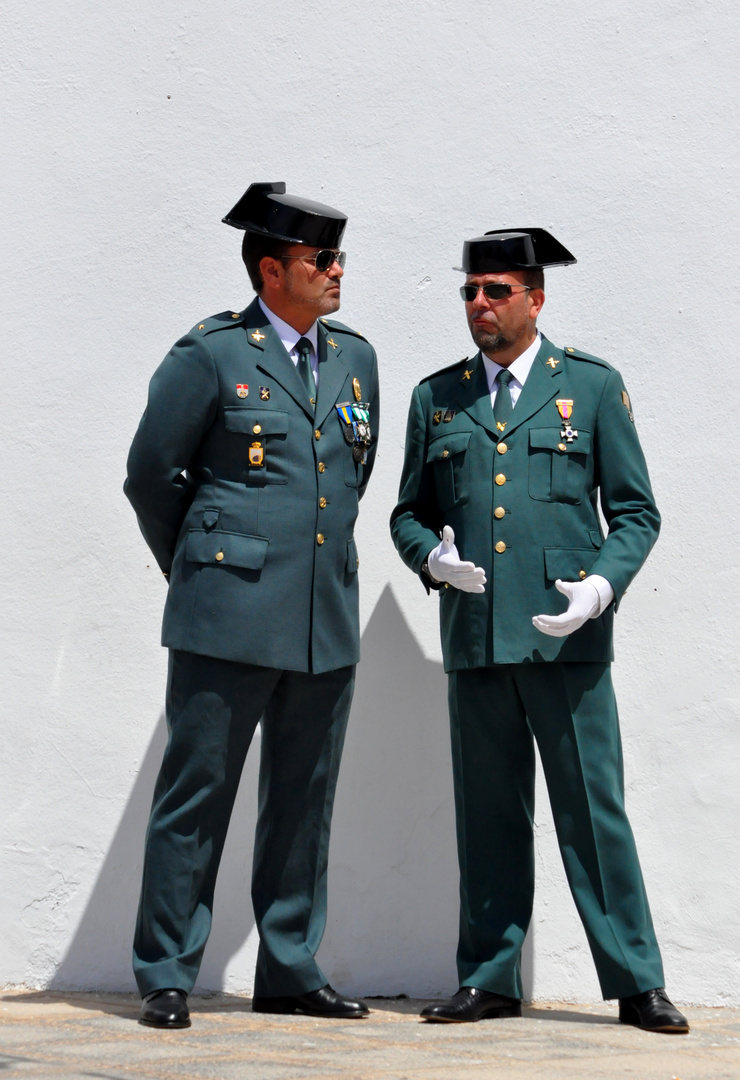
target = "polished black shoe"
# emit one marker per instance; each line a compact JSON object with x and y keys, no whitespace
{"x":324,"y":1002}
{"x":165,"y":1009}
{"x":653,"y":1011}
{"x":469,"y":1004}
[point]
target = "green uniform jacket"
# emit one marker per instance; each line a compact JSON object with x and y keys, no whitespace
{"x":532,"y":490}
{"x":249,"y":502}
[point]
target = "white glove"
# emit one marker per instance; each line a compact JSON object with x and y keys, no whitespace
{"x":444,"y":565}
{"x":586,"y":600}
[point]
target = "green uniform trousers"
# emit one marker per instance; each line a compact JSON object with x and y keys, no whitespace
{"x":213,"y":708}
{"x":569,"y":708}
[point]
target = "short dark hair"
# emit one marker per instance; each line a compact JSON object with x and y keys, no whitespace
{"x":255,"y":247}
{"x":535,"y":278}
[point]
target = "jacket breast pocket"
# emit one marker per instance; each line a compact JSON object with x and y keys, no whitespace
{"x":558,"y":469}
{"x":448,"y":457}
{"x":263,"y":448}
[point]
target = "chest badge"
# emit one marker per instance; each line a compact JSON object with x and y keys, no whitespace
{"x":256,"y":455}
{"x":552,"y":362}
{"x":448,"y":416}
{"x":437,"y":418}
{"x":565,"y":408}
{"x":356,"y":389}
{"x":264,"y":393}
{"x":242,"y":389}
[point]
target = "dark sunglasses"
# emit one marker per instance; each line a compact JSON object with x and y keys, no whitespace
{"x":497,"y":290}
{"x":323,"y":259}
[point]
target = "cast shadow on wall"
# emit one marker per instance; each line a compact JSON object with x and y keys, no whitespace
{"x":393,"y":884}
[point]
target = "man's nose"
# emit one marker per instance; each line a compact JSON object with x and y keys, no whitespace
{"x":335,"y":270}
{"x":481,"y":300}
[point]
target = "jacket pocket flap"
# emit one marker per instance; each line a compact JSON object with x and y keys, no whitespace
{"x":551,"y":439}
{"x":243,"y":418}
{"x":226,"y":548}
{"x":210,"y":517}
{"x":446,"y":445}
{"x":569,"y":564}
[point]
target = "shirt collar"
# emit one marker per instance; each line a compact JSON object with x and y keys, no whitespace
{"x":287,"y":333}
{"x":520,"y":368}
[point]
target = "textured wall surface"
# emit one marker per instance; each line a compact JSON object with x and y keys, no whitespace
{"x":128,"y":131}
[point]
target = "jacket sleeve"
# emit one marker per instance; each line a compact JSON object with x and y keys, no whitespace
{"x":374,"y":399}
{"x":183,"y":397}
{"x":626,"y":496}
{"x":416,"y":521}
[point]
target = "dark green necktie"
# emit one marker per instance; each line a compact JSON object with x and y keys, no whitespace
{"x":502,"y":404}
{"x":304,"y":367}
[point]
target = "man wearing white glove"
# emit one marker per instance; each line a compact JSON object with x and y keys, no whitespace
{"x":444,"y":565}
{"x":509,"y":456}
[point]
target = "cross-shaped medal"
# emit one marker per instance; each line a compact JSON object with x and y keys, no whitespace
{"x":568,"y":434}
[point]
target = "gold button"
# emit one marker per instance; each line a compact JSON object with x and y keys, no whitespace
{"x":500,"y":479}
{"x":499,"y":512}
{"x":569,"y":349}
{"x":220,"y":556}
{"x":322,"y":466}
{"x":257,"y":428}
{"x":235,"y":316}
{"x":500,"y":547}
{"x":501,"y":447}
{"x":447,"y":584}
{"x":317,"y":434}
{"x":202,"y":326}
{"x":581,"y":574}
{"x":320,"y":538}
{"x":445,"y":453}
{"x":562,"y":447}
{"x":322,"y":502}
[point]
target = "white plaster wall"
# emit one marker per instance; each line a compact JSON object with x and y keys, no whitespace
{"x":128,"y":130}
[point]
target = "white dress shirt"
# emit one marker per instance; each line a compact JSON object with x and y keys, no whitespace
{"x":290,"y":338}
{"x":519,"y":369}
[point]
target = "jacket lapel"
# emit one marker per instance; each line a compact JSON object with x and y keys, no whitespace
{"x":272,"y":357}
{"x":541,"y":386}
{"x":473,"y":395}
{"x":333,"y":374}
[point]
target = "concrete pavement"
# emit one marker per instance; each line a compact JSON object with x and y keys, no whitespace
{"x":69,"y":1036}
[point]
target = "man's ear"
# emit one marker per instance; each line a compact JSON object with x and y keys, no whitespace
{"x":536,"y":300}
{"x":272,"y":271}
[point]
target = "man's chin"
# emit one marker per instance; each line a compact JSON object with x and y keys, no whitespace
{"x":330,"y":304}
{"x":490,"y":343}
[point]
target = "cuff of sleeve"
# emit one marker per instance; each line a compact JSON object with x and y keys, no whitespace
{"x":605,"y":591}
{"x":427,"y":579}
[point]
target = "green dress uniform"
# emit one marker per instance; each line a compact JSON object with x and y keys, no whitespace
{"x":524,"y":506}
{"x":247,"y":497}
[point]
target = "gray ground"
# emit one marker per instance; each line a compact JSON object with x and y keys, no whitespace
{"x":96,"y":1035}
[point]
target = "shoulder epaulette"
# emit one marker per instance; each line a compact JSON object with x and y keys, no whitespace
{"x":332,"y":325}
{"x":442,"y":371}
{"x":218,"y":322}
{"x":576,"y":354}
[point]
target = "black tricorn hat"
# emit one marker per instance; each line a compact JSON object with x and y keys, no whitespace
{"x":266,"y":209}
{"x":513,"y":249}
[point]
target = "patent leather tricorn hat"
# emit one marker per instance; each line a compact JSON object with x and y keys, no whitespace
{"x":513,"y":249}
{"x":266,"y":209}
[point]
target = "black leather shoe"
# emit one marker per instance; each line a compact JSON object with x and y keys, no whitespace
{"x":165,"y":1009}
{"x":653,"y":1011}
{"x":324,"y":1002}
{"x":469,"y":1004}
